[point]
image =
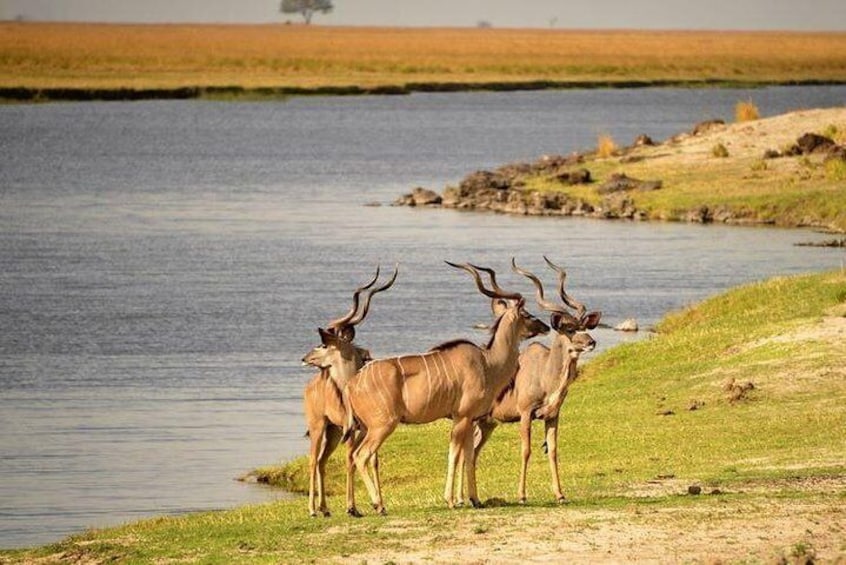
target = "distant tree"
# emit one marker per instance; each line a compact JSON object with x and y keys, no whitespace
{"x":306,"y":7}
{"x":485,"y":24}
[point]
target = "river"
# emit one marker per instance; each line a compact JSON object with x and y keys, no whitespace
{"x":164,"y":266}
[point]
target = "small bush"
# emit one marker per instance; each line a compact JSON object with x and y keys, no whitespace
{"x":830,"y":131}
{"x":746,"y":112}
{"x":719,"y":151}
{"x":802,"y":553}
{"x":759,"y":165}
{"x":606,"y":146}
{"x":835,"y":133}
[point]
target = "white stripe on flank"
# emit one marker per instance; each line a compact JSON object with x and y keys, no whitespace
{"x":428,"y":381}
{"x":380,"y":389}
{"x":449,"y":378}
{"x":403,"y":389}
{"x":453,"y":380}
{"x":442,"y":382}
{"x":454,"y":372}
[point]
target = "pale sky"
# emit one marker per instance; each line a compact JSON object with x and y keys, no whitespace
{"x":826,"y":15}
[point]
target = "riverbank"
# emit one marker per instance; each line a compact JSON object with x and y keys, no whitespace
{"x":51,"y":61}
{"x":741,"y":397}
{"x":787,"y":170}
{"x":239,"y":93}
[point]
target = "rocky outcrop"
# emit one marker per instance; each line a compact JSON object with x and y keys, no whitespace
{"x":420,"y":197}
{"x":836,"y":242}
{"x":706,"y":126}
{"x":810,"y":144}
{"x":504,"y":189}
{"x":510,"y":189}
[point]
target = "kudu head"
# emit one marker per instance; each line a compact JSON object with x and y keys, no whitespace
{"x":571,"y":328}
{"x":336,"y":353}
{"x":505,"y":305}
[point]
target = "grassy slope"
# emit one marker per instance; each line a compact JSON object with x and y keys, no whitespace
{"x":614,"y":443}
{"x":83,"y":56}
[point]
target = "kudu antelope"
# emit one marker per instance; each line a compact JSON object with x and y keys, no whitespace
{"x":544,"y":377}
{"x":457,"y":380}
{"x":325,"y":410}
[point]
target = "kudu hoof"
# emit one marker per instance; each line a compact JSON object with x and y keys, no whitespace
{"x":521,"y":500}
{"x":312,"y":513}
{"x":380,"y":510}
{"x":326,"y":513}
{"x":562,"y":500}
{"x":353,"y":512}
{"x":476,"y":503}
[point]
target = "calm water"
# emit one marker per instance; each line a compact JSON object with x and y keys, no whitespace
{"x":164,"y":266}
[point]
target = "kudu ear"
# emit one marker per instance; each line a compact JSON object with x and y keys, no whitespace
{"x":591,"y":320}
{"x":498,"y":306}
{"x":346,"y":333}
{"x":327,"y":337}
{"x":563,"y":323}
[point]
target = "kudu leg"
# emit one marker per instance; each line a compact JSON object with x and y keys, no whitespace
{"x":459,"y":487}
{"x":352,"y":444}
{"x":462,"y":449}
{"x":316,"y":435}
{"x":525,"y":452}
{"x":330,"y":443}
{"x":482,"y":431}
{"x":374,"y":462}
{"x":469,"y":451}
{"x":552,"y":451}
{"x":453,"y":460}
{"x":364,"y":455}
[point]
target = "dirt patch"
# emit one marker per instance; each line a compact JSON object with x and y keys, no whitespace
{"x":719,"y":530}
{"x":831,"y":329}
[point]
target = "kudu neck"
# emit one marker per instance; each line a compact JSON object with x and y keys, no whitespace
{"x":502,"y":353}
{"x":341,"y":372}
{"x":559,"y":365}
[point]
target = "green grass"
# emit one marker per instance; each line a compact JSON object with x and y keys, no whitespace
{"x":614,"y":442}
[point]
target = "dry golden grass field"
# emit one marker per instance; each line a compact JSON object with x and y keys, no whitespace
{"x":101,"y":56}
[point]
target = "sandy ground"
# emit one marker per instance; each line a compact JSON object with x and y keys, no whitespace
{"x":719,"y":529}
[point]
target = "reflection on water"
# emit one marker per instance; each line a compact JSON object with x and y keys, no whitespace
{"x":164,"y":266}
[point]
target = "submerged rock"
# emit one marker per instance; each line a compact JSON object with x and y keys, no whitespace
{"x":419,"y":197}
{"x":627,"y":325}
